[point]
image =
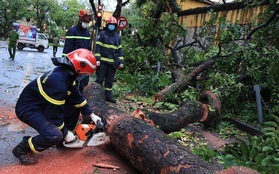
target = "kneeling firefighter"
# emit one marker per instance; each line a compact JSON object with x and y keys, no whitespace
{"x":43,"y":101}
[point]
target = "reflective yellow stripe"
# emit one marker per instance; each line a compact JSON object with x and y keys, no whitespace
{"x":81,"y":104}
{"x":74,"y":83}
{"x":64,"y":54}
{"x":99,"y":43}
{"x":108,"y":89}
{"x":61,"y":127}
{"x":49,"y":99}
{"x":121,"y":58}
{"x":107,"y":59}
{"x":78,"y":37}
{"x":108,"y":45}
{"x":97,"y":54}
{"x":31,"y":145}
{"x":68,"y":92}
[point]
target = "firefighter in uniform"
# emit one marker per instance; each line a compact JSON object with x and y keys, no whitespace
{"x":78,"y":37}
{"x":41,"y":104}
{"x":109,"y":56}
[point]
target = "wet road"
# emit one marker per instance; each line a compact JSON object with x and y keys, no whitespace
{"x":28,"y":64}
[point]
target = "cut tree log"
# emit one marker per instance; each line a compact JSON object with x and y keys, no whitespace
{"x":207,"y":111}
{"x":146,"y":147}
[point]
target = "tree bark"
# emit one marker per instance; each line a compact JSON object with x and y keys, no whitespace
{"x":146,"y":147}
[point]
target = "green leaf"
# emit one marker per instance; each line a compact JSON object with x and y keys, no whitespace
{"x":230,"y":157}
{"x":234,"y":152}
{"x":267,"y":149}
{"x":266,"y":160}
{"x":269,"y":129}
{"x":275,"y":167}
{"x":253,"y":153}
{"x":259,"y":158}
{"x":270,"y":123}
{"x":272,"y":134}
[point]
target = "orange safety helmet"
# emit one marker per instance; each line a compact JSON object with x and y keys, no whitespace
{"x":111,"y":20}
{"x":83,"y":60}
{"x":85,"y":16}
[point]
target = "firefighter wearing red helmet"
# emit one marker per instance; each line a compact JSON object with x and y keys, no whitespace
{"x":43,"y":102}
{"x":78,"y":37}
{"x":109,"y":57}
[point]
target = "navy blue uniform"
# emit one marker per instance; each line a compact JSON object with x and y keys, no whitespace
{"x":42,"y":104}
{"x":108,"y":48}
{"x":76,"y":38}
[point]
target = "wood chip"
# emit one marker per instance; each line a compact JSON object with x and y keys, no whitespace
{"x":108,"y":166}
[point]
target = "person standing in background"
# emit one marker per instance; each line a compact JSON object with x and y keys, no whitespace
{"x":109,"y":57}
{"x":78,"y":37}
{"x":12,"y":40}
{"x":55,"y":42}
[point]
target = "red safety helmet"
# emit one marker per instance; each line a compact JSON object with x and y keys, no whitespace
{"x":83,"y":60}
{"x":111,"y":20}
{"x":85,"y":16}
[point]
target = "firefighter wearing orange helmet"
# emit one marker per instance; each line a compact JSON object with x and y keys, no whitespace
{"x":43,"y":102}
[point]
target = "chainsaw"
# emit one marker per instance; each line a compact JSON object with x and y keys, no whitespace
{"x":88,"y":135}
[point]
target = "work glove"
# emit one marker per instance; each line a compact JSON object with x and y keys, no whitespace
{"x":121,"y":65}
{"x":98,"y":63}
{"x":69,"y":137}
{"x":97,"y":120}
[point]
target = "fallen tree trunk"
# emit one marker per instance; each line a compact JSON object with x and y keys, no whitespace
{"x":207,"y":111}
{"x":146,"y":147}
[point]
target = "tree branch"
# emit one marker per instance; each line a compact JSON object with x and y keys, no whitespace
{"x":270,"y":19}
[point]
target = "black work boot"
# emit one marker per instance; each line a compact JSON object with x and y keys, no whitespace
{"x":109,"y":97}
{"x":23,"y":152}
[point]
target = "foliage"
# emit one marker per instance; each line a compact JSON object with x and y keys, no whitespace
{"x":226,"y":130}
{"x":259,"y":152}
{"x":241,"y":65}
{"x":142,"y":84}
{"x":147,"y":47}
{"x":195,"y":143}
{"x":166,"y":106}
{"x":38,"y":13}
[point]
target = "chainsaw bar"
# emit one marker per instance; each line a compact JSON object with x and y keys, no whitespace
{"x":97,"y":139}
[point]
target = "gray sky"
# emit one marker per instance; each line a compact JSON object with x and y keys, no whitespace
{"x":109,"y":5}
